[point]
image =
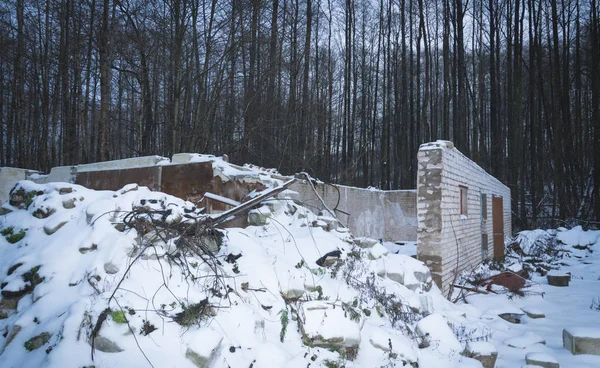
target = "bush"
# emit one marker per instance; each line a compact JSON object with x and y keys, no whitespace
{"x":192,"y":314}
{"x":32,"y":276}
{"x":11,"y":236}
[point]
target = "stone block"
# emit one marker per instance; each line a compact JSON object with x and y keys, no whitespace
{"x":203,"y":346}
{"x":533,"y":313}
{"x":483,"y":351}
{"x":582,"y":340}
{"x":105,"y":345}
{"x":329,"y":327}
{"x":511,"y":317}
{"x":558,"y":278}
{"x":541,"y":360}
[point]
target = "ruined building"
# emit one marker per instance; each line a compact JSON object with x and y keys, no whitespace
{"x":458,"y":214}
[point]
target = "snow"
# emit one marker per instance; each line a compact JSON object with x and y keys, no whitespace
{"x":434,"y":328}
{"x":408,"y":248}
{"x":531,"y":240}
{"x":541,"y":357}
{"x":567,"y":307}
{"x":275,"y":276}
{"x":88,"y":259}
{"x":326,"y":321}
{"x":557,"y":273}
{"x":482,"y":348}
{"x":377,"y":251}
{"x":203,"y":341}
{"x":576,"y":236}
{"x":525,"y":340}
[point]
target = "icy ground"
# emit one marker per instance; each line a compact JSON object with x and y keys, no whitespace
{"x":81,"y":267}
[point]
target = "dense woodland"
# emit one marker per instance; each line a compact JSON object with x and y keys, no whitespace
{"x":346,"y":90}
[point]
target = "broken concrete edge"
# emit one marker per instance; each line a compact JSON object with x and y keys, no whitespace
{"x":9,"y":176}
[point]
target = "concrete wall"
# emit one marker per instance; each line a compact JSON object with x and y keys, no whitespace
{"x":449,"y":242}
{"x":9,"y":176}
{"x":401,"y":215}
{"x":388,"y":215}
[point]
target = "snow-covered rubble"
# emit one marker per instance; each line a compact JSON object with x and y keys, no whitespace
{"x":97,"y":271}
{"x":143,"y":278}
{"x":544,"y":311}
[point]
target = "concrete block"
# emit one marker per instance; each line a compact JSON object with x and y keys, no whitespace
{"x":57,"y":174}
{"x":556,"y":278}
{"x":483,"y":351}
{"x":533,"y":313}
{"x":9,"y":176}
{"x":181,"y":158}
{"x":541,"y":360}
{"x":582,"y":340}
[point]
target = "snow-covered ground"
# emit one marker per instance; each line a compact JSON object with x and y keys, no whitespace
{"x":81,"y":267}
{"x":563,"y":307}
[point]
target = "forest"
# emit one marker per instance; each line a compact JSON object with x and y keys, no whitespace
{"x":346,"y":90}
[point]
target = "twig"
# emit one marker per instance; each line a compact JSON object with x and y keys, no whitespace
{"x":331,"y":213}
{"x":473,"y":289}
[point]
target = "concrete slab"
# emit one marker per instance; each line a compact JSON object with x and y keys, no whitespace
{"x":582,"y":340}
{"x":127,"y":163}
{"x":57,"y":174}
{"x":541,"y":360}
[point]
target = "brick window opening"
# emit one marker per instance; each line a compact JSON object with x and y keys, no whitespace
{"x":483,"y":207}
{"x":484,"y":245}
{"x":463,"y":199}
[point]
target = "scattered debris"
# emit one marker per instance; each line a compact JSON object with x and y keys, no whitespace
{"x":541,"y":360}
{"x":329,"y":259}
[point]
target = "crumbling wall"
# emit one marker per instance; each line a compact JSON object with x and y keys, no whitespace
{"x":9,"y":176}
{"x":387,"y":215}
{"x":450,"y":242}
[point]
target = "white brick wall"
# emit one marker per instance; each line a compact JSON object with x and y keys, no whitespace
{"x":443,"y":232}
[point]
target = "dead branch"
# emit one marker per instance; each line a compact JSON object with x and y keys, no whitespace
{"x":479,"y":291}
{"x":101,"y":318}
